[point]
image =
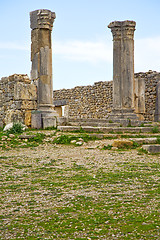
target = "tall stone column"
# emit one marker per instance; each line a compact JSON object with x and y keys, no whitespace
{"x":41,"y":71}
{"x":123,"y":69}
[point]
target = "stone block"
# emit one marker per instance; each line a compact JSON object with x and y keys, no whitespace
{"x":36,"y":119}
{"x":25,"y":91}
{"x":152,"y":148}
{"x":48,"y":120}
{"x":122,"y":143}
{"x":59,"y":111}
{"x":27,"y":120}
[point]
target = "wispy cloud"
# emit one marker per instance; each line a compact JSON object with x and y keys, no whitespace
{"x":92,"y":52}
{"x":147,"y":51}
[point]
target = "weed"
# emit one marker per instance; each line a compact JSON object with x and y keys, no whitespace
{"x":155,"y":129}
{"x":66,"y":139}
{"x":16,"y":129}
{"x":108,"y":147}
{"x":135,"y":145}
{"x":158,"y":140}
{"x":110,"y":121}
{"x":63,"y":139}
{"x":38,"y":138}
{"x":141,"y":150}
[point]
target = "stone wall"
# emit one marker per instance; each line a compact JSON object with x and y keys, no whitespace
{"x":18,"y":97}
{"x":87,"y":101}
{"x":151,"y":79}
{"x":96,"y":101}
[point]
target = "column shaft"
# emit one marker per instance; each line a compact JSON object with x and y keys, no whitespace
{"x":123,"y":67}
{"x":41,"y":56}
{"x":41,"y":72}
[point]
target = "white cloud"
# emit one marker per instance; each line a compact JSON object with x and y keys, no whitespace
{"x":92,"y":52}
{"x":147,"y":54}
{"x":147,"y":51}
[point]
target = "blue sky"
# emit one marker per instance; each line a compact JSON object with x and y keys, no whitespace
{"x":82,"y":43}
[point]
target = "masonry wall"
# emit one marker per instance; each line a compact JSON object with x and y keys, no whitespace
{"x":18,"y":97}
{"x":96,"y":101}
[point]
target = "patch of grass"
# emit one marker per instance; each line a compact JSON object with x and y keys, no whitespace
{"x":38,"y":138}
{"x":108,"y":147}
{"x":79,"y":202}
{"x":155,"y":129}
{"x":158,"y":140}
{"x":66,"y":139}
{"x":16,"y":129}
{"x":63,"y":139}
{"x":141,"y":150}
{"x":110,"y":121}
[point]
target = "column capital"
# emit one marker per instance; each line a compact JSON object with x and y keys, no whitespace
{"x":42,"y":18}
{"x":122,"y":28}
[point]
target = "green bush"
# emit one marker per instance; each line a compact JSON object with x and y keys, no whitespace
{"x":155,"y":129}
{"x":108,"y":147}
{"x":17,"y":128}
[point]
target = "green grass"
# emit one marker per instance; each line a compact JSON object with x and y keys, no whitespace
{"x":66,"y":139}
{"x":16,"y":142}
{"x":46,"y":201}
{"x":155,"y":129}
{"x":16,"y":129}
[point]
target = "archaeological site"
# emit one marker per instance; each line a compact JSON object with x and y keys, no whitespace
{"x":130,"y":98}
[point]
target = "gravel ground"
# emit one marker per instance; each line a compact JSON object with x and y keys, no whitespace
{"x":89,"y":156}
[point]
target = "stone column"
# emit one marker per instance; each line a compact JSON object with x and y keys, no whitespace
{"x":123,"y":69}
{"x":41,"y":71}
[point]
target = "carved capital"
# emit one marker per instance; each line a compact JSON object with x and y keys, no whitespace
{"x":42,"y":18}
{"x":122,"y":29}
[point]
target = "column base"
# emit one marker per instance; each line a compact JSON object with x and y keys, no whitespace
{"x":43,"y":119}
{"x":126,"y":117}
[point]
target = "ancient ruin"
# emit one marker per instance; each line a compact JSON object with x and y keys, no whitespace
{"x":130,"y":96}
{"x":41,"y":57}
{"x":123,"y":69}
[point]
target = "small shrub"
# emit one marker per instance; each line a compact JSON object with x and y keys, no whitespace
{"x":110,"y":121}
{"x":158,"y":140}
{"x":141,"y":150}
{"x":16,"y":129}
{"x":108,"y":147}
{"x":155,"y":129}
{"x":135,"y":145}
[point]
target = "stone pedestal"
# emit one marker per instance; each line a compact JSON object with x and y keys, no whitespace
{"x":41,"y":57}
{"x":123,"y":69}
